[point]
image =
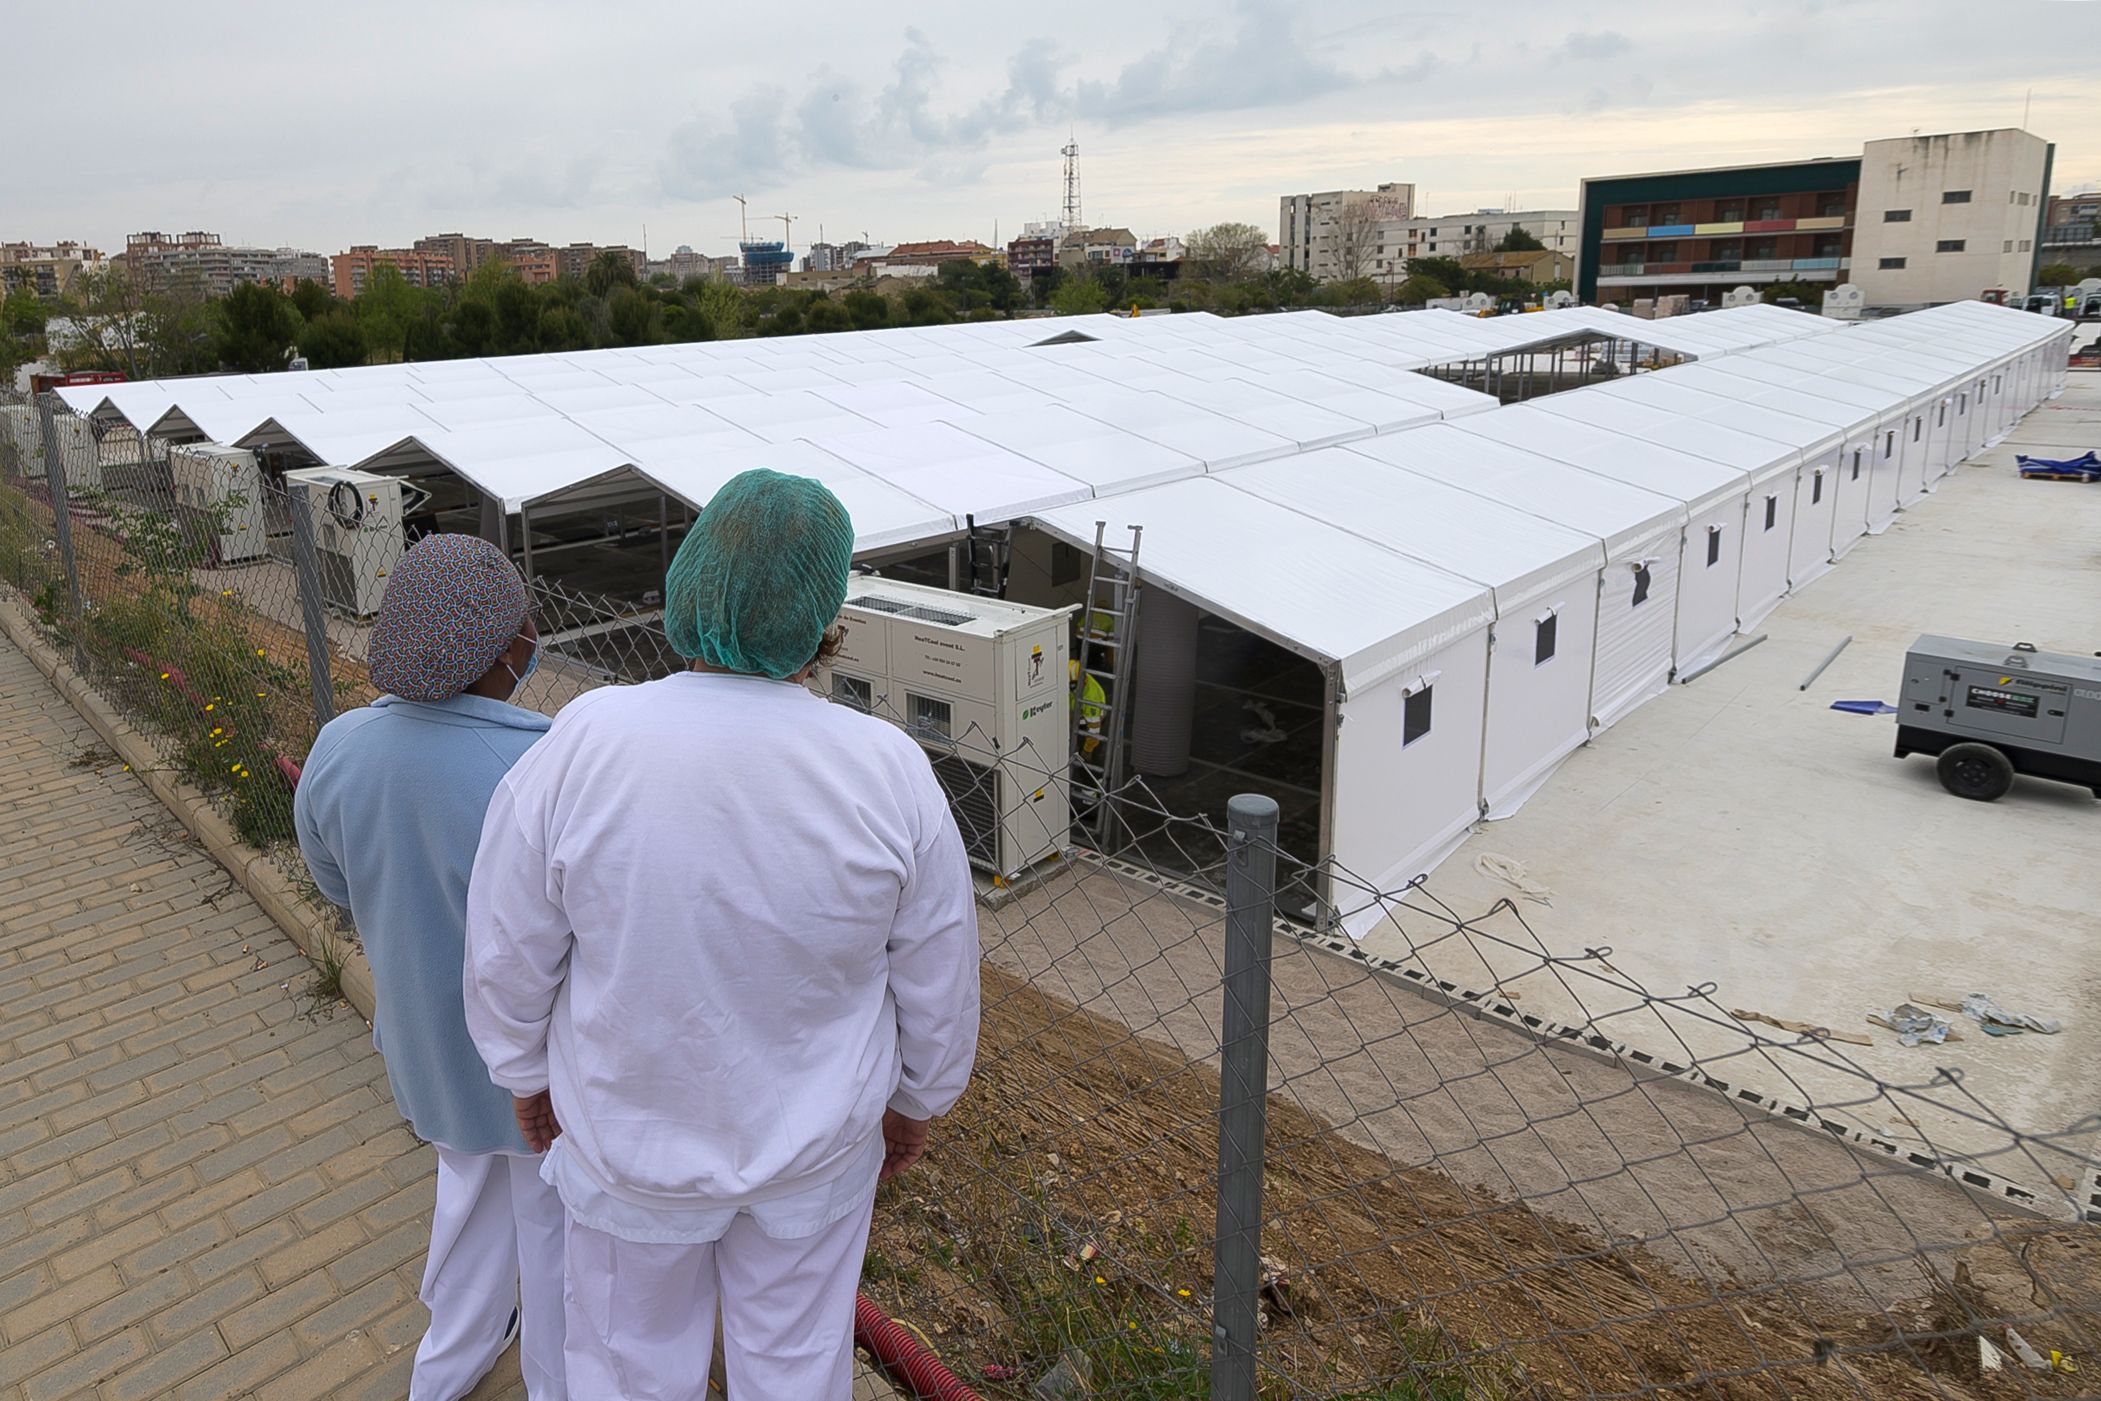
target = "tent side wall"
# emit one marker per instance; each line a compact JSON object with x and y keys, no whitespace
{"x":1709,"y":571}
{"x":1538,"y":710}
{"x":1400,"y":806}
{"x":1809,"y":547}
{"x":1768,"y":533}
{"x":1633,"y":654}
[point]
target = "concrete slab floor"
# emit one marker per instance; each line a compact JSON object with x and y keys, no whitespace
{"x":1739,"y":832}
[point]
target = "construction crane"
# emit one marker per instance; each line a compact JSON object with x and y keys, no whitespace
{"x":743,"y":224}
{"x":787,"y":232}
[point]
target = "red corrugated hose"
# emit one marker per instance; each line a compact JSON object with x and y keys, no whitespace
{"x":903,"y":1358}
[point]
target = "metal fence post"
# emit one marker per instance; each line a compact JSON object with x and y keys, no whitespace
{"x":61,"y":506}
{"x":1243,"y":1089}
{"x":306,"y":563}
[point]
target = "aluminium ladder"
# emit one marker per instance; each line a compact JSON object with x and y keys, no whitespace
{"x":1108,"y":637}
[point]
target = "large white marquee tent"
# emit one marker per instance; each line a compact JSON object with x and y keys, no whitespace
{"x":1295,"y":476}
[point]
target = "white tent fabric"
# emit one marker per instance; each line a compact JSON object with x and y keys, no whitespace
{"x":1743,"y":548}
{"x":1542,"y":578}
{"x":1638,"y":530}
{"x":1397,"y":631}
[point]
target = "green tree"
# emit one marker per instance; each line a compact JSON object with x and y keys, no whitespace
{"x":257,"y":327}
{"x":607,"y":271}
{"x":1520,"y":240}
{"x":1079,"y":296}
{"x":1446,"y":272}
{"x":1809,"y":294}
{"x":561,"y":328}
{"x":334,"y":341}
{"x":635,"y":316}
{"x":867,"y":310}
{"x":1227,"y":252}
{"x":2056,"y":275}
{"x":313,"y":299}
{"x":389,"y":309}
{"x":1418,"y":289}
{"x":827,"y":315}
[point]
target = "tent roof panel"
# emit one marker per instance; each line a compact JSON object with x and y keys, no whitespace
{"x":1300,"y":582}
{"x":1425,"y":519}
{"x":884,"y":516}
{"x":1086,"y":449}
{"x":957,"y":472}
{"x":1620,"y":515}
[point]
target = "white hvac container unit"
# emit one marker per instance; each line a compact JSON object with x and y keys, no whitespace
{"x":358,"y":540}
{"x":76,"y":441}
{"x":981,"y":684}
{"x":23,"y":433}
{"x":220,"y":490}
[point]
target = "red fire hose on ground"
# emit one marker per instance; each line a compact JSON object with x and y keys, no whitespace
{"x":905,"y":1360}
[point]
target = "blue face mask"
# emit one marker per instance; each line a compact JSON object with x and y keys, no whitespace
{"x":519,"y":678}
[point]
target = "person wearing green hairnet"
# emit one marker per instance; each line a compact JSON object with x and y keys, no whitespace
{"x":729,"y":928}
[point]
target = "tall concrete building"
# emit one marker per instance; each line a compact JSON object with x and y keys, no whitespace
{"x":464,"y":253}
{"x":1943,"y":218}
{"x":1327,"y":235}
{"x":1395,"y":241}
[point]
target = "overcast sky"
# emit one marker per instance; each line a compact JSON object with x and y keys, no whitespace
{"x":376,"y":121}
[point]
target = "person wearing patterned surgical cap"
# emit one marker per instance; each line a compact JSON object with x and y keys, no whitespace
{"x":730,"y":927}
{"x":388,"y":808}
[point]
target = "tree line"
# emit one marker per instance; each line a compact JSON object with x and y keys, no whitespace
{"x":112,"y":321}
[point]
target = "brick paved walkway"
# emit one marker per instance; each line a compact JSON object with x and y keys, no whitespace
{"x":205,"y":1190}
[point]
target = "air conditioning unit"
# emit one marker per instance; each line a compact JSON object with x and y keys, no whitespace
{"x":981,"y":684}
{"x":219,"y":494}
{"x":357,"y":532}
{"x":83,"y":454}
{"x":22,"y":433}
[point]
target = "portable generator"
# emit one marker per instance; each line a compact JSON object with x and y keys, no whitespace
{"x":1990,"y":712}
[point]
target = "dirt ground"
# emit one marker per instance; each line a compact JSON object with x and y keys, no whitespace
{"x":1068,"y":1205}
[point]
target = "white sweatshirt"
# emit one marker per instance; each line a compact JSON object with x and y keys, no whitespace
{"x":727,"y":923}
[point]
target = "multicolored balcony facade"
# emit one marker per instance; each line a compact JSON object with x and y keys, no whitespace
{"x":1705,"y":232}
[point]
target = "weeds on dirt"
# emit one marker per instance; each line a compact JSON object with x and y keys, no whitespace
{"x":324,"y":991}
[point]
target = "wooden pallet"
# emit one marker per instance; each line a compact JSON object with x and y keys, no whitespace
{"x":2033,"y":476}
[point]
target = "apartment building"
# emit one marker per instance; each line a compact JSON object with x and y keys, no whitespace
{"x":353,"y":271}
{"x":204,"y":263}
{"x":1326,"y":235}
{"x":46,"y":269}
{"x":1912,"y":221}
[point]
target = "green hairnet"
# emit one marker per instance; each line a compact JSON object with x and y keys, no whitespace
{"x":761,"y":575}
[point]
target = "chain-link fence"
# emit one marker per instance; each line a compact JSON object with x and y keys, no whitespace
{"x":1209,"y":1151}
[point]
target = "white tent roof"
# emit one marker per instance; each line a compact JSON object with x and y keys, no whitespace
{"x":1301,"y":583}
{"x":1684,"y":438}
{"x":1619,"y":515}
{"x":1426,"y":519}
{"x":961,"y":474}
{"x":1698,"y":483}
{"x":884,"y":516}
{"x":1099,"y":454}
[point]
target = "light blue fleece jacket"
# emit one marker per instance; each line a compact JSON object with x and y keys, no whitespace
{"x":389,"y":812}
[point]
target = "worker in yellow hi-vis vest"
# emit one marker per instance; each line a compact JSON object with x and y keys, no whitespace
{"x":1093,"y":702}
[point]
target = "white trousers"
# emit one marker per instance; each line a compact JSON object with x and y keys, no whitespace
{"x":642,"y":1317}
{"x":497,"y":1227}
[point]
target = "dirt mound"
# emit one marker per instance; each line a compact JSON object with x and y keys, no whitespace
{"x":1068,"y":1208}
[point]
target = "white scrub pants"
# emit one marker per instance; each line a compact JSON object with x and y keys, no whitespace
{"x":642,"y":1317}
{"x":497,"y":1226}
